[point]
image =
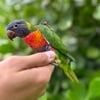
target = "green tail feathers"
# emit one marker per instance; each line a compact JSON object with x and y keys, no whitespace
{"x":71,"y":75}
{"x":66,"y":67}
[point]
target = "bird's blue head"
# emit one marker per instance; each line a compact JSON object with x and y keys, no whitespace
{"x":18,"y":28}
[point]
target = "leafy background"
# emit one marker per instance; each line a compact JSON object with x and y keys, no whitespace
{"x":77,"y":22}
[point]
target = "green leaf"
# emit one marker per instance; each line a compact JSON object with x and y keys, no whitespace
{"x":65,"y":23}
{"x":77,"y":92}
{"x":93,"y":52}
{"x":94,"y":90}
{"x":44,"y":97}
{"x":97,"y":13}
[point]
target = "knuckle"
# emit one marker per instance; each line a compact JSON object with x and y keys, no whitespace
{"x":43,"y":57}
{"x":12,"y":61}
{"x":13,"y":58}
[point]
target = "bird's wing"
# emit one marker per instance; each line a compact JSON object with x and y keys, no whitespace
{"x":54,"y":40}
{"x":52,"y":37}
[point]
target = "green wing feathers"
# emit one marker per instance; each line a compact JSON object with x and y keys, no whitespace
{"x":54,"y":40}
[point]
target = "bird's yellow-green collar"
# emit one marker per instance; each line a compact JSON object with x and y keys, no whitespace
{"x":29,"y":25}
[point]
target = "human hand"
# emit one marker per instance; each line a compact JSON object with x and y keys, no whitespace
{"x":25,"y":77}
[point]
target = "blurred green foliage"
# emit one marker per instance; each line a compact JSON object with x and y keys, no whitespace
{"x":78,"y":23}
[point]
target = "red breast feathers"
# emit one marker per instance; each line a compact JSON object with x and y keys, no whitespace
{"x":36,"y":40}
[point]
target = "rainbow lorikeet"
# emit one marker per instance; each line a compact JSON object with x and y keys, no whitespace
{"x":42,"y":38}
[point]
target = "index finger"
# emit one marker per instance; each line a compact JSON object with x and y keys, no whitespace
{"x":26,"y":62}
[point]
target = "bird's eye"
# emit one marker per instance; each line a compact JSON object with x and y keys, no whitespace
{"x":15,"y":26}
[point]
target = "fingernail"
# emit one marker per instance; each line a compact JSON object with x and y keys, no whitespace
{"x":51,"y":55}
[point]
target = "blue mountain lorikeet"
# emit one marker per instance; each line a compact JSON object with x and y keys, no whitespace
{"x":42,"y":38}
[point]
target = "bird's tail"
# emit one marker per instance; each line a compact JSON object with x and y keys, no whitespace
{"x":71,"y":75}
{"x":67,"y":69}
{"x":69,"y":72}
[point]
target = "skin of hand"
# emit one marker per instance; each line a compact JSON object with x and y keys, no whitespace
{"x":25,"y":77}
